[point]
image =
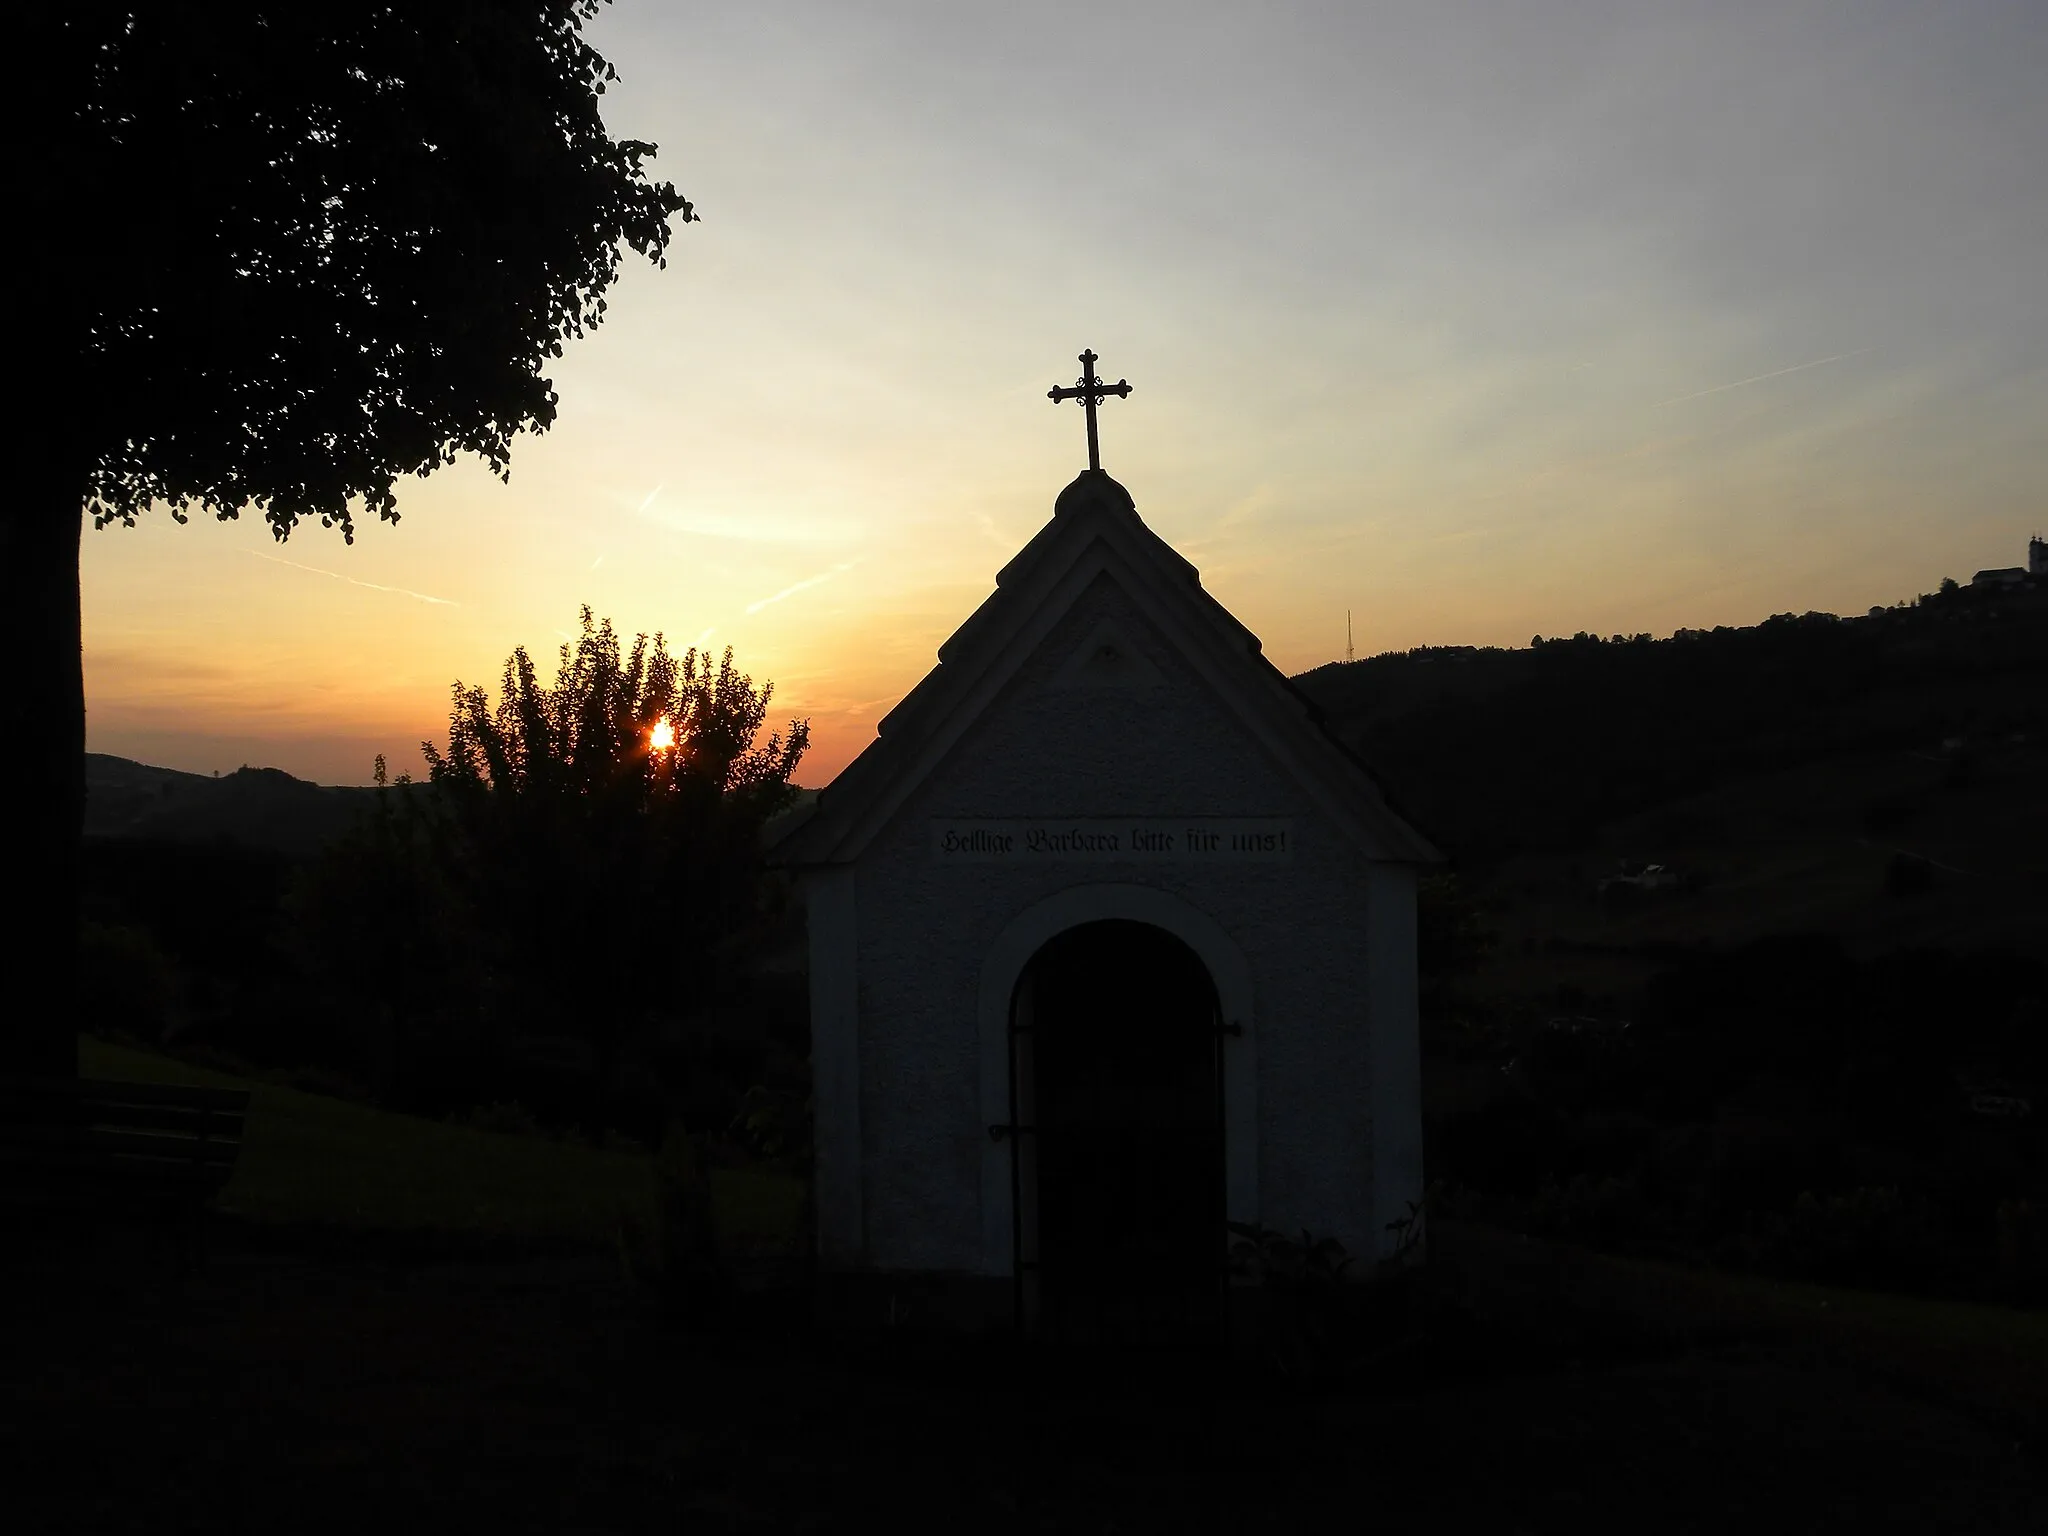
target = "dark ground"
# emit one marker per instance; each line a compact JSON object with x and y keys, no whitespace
{"x":286,"y":1393}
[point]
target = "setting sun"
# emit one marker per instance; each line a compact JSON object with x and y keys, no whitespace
{"x":663,"y":736}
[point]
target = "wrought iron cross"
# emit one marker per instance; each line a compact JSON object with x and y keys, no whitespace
{"x":1090,"y":391}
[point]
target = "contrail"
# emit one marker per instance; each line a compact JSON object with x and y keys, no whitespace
{"x":650,"y":497}
{"x":444,"y":602}
{"x":1701,"y":394}
{"x":809,"y":581}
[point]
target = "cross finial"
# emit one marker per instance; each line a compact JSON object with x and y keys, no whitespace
{"x":1090,"y":390}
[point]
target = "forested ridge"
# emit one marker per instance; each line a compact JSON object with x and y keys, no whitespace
{"x":1495,"y":751}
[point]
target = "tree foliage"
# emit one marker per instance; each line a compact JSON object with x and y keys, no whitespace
{"x":370,"y":227}
{"x":591,"y":734}
{"x":559,"y":874}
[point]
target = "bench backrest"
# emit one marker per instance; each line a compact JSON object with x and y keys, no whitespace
{"x":162,"y":1132}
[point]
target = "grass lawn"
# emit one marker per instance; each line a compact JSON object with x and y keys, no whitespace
{"x":309,"y":1160}
{"x":333,"y":1391}
{"x":275,"y":1393}
{"x":1992,"y":1361}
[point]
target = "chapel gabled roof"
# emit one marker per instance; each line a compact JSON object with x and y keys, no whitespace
{"x":1095,"y":528}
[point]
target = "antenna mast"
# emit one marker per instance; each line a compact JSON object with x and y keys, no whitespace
{"x":1350,"y":650}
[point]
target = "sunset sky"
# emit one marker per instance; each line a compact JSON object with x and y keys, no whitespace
{"x":1481,"y":321}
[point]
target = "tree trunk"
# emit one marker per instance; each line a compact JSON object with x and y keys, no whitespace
{"x":43,"y":780}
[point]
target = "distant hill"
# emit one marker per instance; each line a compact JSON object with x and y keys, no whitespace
{"x":1495,"y":751}
{"x":1881,"y":779}
{"x":255,"y":808}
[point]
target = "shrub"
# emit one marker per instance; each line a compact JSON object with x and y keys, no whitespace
{"x":1319,"y":1319}
{"x":1272,"y":1258}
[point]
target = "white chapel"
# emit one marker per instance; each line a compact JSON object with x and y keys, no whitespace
{"x":1111,"y":944}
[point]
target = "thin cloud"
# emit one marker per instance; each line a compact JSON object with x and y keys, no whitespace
{"x":420,"y":597}
{"x":743,"y":527}
{"x":698,"y":643}
{"x":1245,"y":508}
{"x":597,"y":562}
{"x":650,"y":497}
{"x":860,"y":706}
{"x":1780,"y":373}
{"x":805,"y":584}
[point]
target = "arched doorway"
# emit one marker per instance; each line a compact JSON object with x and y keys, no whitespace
{"x":1118,"y":1159}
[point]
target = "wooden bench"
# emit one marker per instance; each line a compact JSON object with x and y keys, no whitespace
{"x":153,"y":1153}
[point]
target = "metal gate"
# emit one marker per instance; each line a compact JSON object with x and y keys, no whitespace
{"x":1131,"y":1253}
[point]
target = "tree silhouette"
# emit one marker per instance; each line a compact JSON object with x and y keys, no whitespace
{"x":571,"y":869}
{"x":287,"y":255}
{"x":591,"y":738}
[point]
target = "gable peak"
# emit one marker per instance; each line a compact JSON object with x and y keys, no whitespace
{"x":1090,"y":489}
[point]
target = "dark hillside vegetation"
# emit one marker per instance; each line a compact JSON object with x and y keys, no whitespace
{"x":187,"y":936}
{"x":258,"y":808}
{"x":1742,"y":956}
{"x":1495,"y":752}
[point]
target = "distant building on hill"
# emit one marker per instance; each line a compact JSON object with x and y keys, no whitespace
{"x":2003,"y":576}
{"x":2016,"y":575}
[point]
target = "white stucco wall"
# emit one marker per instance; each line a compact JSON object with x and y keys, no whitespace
{"x":932,"y":1188}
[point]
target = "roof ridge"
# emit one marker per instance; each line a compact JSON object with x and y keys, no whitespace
{"x":1093,"y":510}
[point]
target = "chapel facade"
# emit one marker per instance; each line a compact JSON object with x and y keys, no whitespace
{"x":1111,"y":944}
